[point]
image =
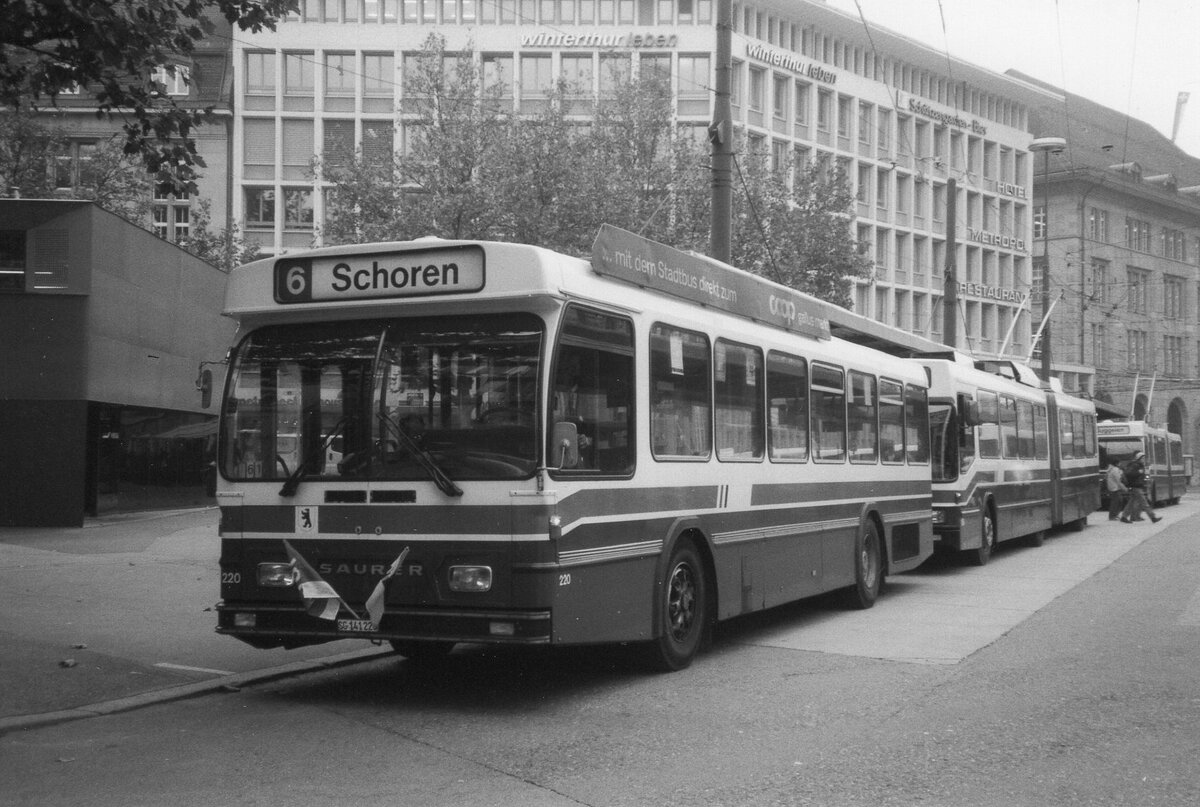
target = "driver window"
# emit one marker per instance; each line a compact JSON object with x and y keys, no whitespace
{"x":592,"y":389}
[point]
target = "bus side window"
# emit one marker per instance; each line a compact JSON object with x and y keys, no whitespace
{"x":891,"y":421}
{"x":787,"y":416}
{"x":681,"y":393}
{"x":989,"y":426}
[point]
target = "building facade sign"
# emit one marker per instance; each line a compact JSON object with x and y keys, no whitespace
{"x":992,"y":293}
{"x":1011,"y":189}
{"x":629,"y":40}
{"x":920,"y":106}
{"x":997,"y":240}
{"x":790,"y":61}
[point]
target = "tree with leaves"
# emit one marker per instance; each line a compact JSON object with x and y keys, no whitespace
{"x":112,"y":48}
{"x":552,"y":177}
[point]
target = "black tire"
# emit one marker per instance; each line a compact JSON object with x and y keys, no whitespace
{"x":868,"y":568}
{"x":987,"y":542}
{"x":683,"y":611}
{"x":1036,"y":539}
{"x":421,"y":651}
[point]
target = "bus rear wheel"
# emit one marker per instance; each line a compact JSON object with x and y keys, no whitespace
{"x":683,"y":611}
{"x":868,"y":568}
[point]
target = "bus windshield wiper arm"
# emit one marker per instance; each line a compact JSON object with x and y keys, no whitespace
{"x":293,"y":482}
{"x":424,"y":459}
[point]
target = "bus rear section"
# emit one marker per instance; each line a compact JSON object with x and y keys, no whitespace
{"x":1010,"y":459}
{"x":1166,"y":472}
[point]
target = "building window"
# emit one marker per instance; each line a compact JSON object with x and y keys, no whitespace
{"x":864,"y":123}
{"x":1136,"y":351}
{"x":781,"y":90}
{"x":260,"y":73}
{"x":1098,"y":225}
{"x":824,"y":110}
{"x":1100,"y":280}
{"x":757,"y":90}
{"x":1139,"y":282}
{"x":12,"y":260}
{"x":1173,"y":355}
{"x":175,"y":79}
{"x":73,"y":166}
{"x":615,"y":71}
{"x":1039,"y":222}
{"x":844,"y":116}
{"x":171,"y":216}
{"x":694,"y":83}
{"x":1173,"y":297}
{"x":803,"y":91}
{"x":339,"y":74}
{"x":1137,"y":234}
{"x":1174,"y":244}
{"x":260,"y":208}
{"x":1099,"y":346}
{"x":297,"y":209}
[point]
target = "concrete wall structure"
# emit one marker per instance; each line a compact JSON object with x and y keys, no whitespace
{"x":105,"y":327}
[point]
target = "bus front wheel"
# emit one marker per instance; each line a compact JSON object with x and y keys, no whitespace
{"x":987,"y":541}
{"x":683,"y":611}
{"x":868,"y":568}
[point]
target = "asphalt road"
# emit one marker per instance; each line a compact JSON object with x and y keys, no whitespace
{"x":1060,"y":675}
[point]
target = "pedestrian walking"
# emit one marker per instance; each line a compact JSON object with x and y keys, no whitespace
{"x":1114,"y":483}
{"x":1135,"y":481}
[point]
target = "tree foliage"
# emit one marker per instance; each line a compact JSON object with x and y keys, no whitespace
{"x":475,"y":169}
{"x":112,"y":49}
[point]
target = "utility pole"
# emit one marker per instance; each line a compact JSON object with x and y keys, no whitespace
{"x":950,"y":280}
{"x":1046,"y":145}
{"x":720,"y":135}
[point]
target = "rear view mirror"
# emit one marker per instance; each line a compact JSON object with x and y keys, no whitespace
{"x":564,"y":445}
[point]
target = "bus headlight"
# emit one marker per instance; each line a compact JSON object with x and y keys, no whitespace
{"x":471,"y":579}
{"x":276,"y":575}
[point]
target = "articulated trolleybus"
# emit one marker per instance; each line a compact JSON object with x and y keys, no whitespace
{"x":501,"y":444}
{"x":1166,"y":475}
{"x":1011,"y":459}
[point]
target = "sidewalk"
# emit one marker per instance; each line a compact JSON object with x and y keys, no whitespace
{"x":119,"y":613}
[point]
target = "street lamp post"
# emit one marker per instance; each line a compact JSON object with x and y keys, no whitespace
{"x":1046,"y":145}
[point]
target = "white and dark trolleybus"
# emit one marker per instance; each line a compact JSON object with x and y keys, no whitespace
{"x":439,"y":442}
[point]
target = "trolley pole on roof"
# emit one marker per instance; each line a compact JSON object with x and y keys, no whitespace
{"x":720,"y":135}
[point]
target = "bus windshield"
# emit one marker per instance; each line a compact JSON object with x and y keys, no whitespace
{"x":394,"y":399}
{"x":1119,"y":450}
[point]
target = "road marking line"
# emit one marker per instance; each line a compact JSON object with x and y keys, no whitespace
{"x":185,"y":668}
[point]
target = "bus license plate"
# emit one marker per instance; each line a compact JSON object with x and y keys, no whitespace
{"x":355,"y":626}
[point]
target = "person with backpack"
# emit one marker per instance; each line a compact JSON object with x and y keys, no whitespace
{"x":1135,"y":480}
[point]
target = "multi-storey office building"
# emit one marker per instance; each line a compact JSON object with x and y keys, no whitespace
{"x":901,"y":119}
{"x":1121,"y":204}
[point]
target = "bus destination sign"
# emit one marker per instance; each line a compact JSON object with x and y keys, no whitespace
{"x":412,"y":273}
{"x":627,"y":256}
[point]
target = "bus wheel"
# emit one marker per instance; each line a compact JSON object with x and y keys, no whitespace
{"x":987,"y":541}
{"x":868,"y":568}
{"x":422,"y":652}
{"x":684,"y":611}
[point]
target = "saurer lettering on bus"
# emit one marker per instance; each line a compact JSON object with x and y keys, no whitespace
{"x":346,"y":277}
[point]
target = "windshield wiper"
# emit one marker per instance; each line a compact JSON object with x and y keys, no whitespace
{"x":293,"y":482}
{"x":424,"y":458}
